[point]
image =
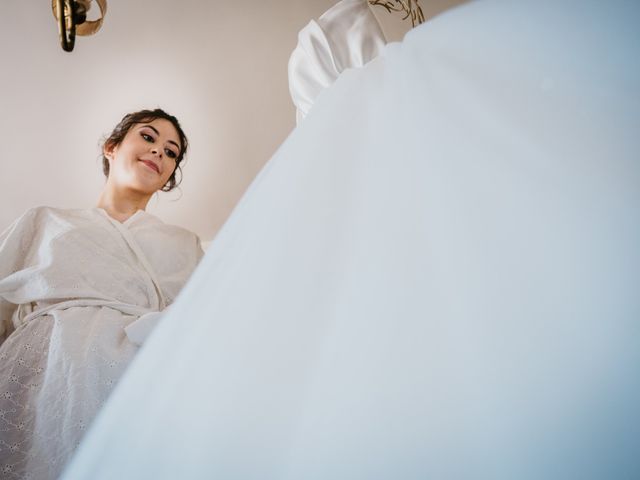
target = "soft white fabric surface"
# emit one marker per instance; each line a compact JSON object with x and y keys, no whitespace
{"x":435,"y":277}
{"x":70,"y":282}
{"x":345,"y":36}
{"x":138,"y":331}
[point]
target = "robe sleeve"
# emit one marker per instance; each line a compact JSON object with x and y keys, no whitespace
{"x":15,"y":243}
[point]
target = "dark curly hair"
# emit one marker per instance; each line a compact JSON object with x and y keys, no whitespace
{"x":144,"y":116}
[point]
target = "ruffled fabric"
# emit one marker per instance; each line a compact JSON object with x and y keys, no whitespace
{"x":345,"y":36}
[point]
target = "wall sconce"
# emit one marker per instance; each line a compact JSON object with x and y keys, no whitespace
{"x":72,"y":20}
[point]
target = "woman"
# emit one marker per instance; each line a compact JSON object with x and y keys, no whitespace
{"x":71,"y":281}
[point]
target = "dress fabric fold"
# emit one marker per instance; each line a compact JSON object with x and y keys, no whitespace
{"x":435,"y":276}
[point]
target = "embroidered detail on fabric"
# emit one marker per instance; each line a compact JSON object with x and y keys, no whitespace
{"x":42,"y":416}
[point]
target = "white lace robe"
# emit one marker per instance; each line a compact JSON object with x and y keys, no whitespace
{"x":70,"y":282}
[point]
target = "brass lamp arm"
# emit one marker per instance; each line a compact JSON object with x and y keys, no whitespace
{"x":72,"y":18}
{"x":66,"y":24}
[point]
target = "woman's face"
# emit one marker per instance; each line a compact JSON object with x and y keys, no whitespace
{"x":146,"y":157}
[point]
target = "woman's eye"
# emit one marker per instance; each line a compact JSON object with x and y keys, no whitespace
{"x":147,"y":137}
{"x":170,"y":153}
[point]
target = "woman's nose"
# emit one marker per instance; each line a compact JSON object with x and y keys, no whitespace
{"x":156,"y":151}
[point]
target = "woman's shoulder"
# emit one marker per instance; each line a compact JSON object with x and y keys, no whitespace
{"x":44,"y":211}
{"x":31,"y":216}
{"x":157,"y":236}
{"x":149,"y":220}
{"x":36,"y":217}
{"x":34,"y":226}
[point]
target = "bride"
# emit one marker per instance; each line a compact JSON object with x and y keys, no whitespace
{"x":436,"y":276}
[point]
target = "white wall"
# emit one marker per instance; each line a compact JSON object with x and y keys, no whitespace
{"x":219,"y":66}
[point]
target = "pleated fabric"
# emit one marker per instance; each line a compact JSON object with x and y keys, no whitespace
{"x":436,"y":275}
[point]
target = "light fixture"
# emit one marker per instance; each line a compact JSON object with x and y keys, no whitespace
{"x":72,"y":20}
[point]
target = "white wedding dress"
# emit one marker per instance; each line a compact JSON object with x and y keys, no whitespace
{"x":435,"y":277}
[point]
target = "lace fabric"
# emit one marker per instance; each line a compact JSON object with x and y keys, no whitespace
{"x":71,"y":282}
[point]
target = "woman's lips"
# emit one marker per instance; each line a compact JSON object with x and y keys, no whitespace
{"x":151,"y":165}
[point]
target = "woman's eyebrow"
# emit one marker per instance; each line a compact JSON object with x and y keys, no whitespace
{"x":158,"y":133}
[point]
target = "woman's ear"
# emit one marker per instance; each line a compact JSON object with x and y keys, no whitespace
{"x":108,"y":151}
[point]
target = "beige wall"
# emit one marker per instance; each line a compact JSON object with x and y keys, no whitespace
{"x":220,"y":66}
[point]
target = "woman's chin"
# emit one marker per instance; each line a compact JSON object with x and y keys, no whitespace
{"x":145,"y":187}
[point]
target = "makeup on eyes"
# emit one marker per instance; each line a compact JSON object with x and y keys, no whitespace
{"x":175,"y":153}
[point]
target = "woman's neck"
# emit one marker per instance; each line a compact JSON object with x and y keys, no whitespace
{"x":121,"y":206}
